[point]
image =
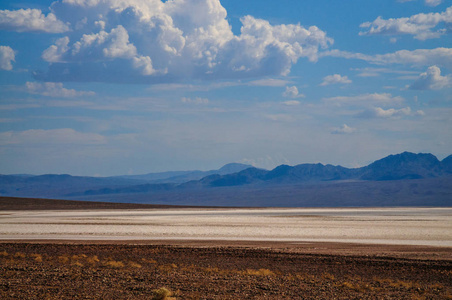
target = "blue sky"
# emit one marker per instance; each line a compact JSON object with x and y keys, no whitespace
{"x":109,"y":87}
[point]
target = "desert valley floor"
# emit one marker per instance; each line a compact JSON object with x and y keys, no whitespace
{"x":403,"y":226}
{"x":206,"y":253}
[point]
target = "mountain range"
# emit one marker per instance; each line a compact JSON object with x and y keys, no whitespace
{"x":394,"y":167}
{"x":401,"y":179}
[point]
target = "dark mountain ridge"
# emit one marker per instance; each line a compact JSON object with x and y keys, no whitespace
{"x":404,"y":166}
{"x":393,"y":167}
{"x":327,"y":180}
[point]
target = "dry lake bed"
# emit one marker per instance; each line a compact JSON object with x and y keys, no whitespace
{"x":396,"y":226}
{"x":199,"y":253}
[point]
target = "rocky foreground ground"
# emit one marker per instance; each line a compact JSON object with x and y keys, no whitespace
{"x":125,"y":271}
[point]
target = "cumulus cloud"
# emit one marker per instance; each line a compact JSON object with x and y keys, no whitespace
{"x":93,"y":47}
{"x":168,"y":41}
{"x":336,"y":78}
{"x":420,"y":25}
{"x":7,"y":56}
{"x":24,"y":20}
{"x":196,"y":100}
{"x":432,"y":80}
{"x":419,"y":57}
{"x":53,"y":89}
{"x":345,"y":129}
{"x":292,"y":92}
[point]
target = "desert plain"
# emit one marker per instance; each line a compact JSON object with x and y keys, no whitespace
{"x":225,"y":253}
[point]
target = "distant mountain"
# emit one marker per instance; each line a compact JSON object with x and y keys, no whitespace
{"x":52,"y":185}
{"x":58,"y":185}
{"x":246,"y":176}
{"x":447,"y":164}
{"x":401,"y":179}
{"x":403,"y":166}
{"x":308,"y":172}
{"x":393,"y":167}
{"x":184,"y":176}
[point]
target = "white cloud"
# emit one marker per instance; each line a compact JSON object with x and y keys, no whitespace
{"x":385,"y":98}
{"x":144,"y":63}
{"x":292,"y":92}
{"x":64,"y":136}
{"x":7,"y":56}
{"x":55,"y":52}
{"x":93,"y":47}
{"x":197,"y":100}
{"x":269,"y":82}
{"x":381,"y":113}
{"x":374,"y":72}
{"x":391,"y":113}
{"x":427,"y":2}
{"x":24,"y":20}
{"x":433,"y":2}
{"x":345,"y":129}
{"x":195,"y":87}
{"x":418,"y":57}
{"x":420,"y":25}
{"x":168,"y":41}
{"x":336,"y":78}
{"x":53,"y":89}
{"x":432,"y":80}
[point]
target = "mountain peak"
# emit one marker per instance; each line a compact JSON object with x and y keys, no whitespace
{"x":447,"y":164}
{"x":406,"y":165}
{"x":233,"y":168}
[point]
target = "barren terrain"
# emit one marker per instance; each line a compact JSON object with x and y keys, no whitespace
{"x":39,"y":262}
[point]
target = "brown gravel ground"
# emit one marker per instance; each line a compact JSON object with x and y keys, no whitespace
{"x":62,"y":270}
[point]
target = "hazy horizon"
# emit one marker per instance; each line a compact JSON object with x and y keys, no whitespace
{"x":219,"y":167}
{"x":116,"y":87}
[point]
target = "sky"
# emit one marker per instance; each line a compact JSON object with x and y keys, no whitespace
{"x":113,"y":87}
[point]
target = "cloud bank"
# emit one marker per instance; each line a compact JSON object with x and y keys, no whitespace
{"x":25,"y":20}
{"x":379,"y":112}
{"x":158,"y":41}
{"x":419,"y":25}
{"x":54,"y":89}
{"x":419,"y":57}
